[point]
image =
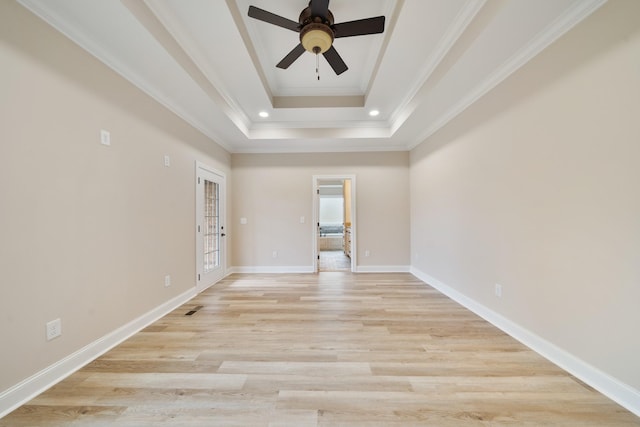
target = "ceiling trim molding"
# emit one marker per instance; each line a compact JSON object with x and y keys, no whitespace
{"x":574,"y":15}
{"x":356,"y":101}
{"x":391,"y":13}
{"x":152,"y":23}
{"x":356,"y":130}
{"x":170,"y":43}
{"x":318,"y":147}
{"x":394,"y":14}
{"x":253,"y":46}
{"x":465,"y":16}
{"x":246,"y":39}
{"x":194,"y":59}
{"x":119,"y":68}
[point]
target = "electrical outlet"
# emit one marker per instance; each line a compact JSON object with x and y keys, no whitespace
{"x":167,"y":161}
{"x":54,"y":329}
{"x":167,"y":281}
{"x":275,"y":254}
{"x":498,"y":290}
{"x":367,"y":253}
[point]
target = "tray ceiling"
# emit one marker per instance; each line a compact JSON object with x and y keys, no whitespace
{"x":212,"y":65}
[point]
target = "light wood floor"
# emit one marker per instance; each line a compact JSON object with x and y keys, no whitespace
{"x":334,"y":349}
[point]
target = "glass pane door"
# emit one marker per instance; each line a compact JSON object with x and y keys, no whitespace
{"x":210,"y":245}
{"x":211,"y":236}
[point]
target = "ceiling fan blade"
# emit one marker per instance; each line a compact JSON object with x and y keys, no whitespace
{"x":291,"y":57}
{"x":360,"y":27}
{"x":320,"y":8}
{"x":272,"y":18}
{"x":336,"y":62}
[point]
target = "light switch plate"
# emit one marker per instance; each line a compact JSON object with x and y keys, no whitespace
{"x":105,"y":137}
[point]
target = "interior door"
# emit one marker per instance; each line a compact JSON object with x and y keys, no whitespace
{"x":210,"y":233}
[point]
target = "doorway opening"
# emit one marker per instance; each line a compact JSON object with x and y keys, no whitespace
{"x":334,"y":217}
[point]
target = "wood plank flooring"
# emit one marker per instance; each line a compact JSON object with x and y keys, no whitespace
{"x":333,"y":349}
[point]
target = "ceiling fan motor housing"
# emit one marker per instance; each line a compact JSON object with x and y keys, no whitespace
{"x":316,"y":34}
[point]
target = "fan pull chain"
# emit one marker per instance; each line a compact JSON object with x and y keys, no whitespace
{"x":318,"y":66}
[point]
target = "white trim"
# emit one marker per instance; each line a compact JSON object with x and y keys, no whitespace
{"x":320,"y":146}
{"x":29,"y":388}
{"x":550,"y":34}
{"x":383,"y":269}
{"x":200,"y":166}
{"x":459,"y":24}
{"x":186,"y":42}
{"x":315,"y":216}
{"x":616,"y":390}
{"x":102,"y":55}
{"x":272,"y":269}
{"x":576,"y":12}
{"x":310,"y":269}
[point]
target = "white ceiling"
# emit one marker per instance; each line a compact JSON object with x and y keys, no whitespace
{"x":212,"y":65}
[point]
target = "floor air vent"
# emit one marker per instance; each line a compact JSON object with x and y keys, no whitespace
{"x":194,"y":311}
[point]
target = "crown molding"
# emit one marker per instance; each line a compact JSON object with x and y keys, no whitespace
{"x":119,"y":67}
{"x":574,"y":15}
{"x":453,"y":33}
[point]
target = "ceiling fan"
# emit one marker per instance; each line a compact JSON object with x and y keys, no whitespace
{"x":317,"y":32}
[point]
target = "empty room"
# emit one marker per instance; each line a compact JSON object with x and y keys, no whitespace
{"x":319,"y":213}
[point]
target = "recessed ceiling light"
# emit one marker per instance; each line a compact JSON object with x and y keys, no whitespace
{"x":374,"y":113}
{"x":263,"y":114}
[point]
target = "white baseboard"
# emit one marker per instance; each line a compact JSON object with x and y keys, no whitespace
{"x":616,"y":390}
{"x":623,"y":394}
{"x":272,"y":269}
{"x":383,"y":269}
{"x":309,"y":269}
{"x":29,"y":388}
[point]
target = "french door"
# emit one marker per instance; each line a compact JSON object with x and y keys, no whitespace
{"x":210,"y":233}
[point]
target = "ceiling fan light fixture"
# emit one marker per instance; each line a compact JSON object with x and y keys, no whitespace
{"x":316,"y":38}
{"x":317,"y":31}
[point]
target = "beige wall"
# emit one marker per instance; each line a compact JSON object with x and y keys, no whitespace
{"x":537,"y":188}
{"x":87,"y":232}
{"x":274,"y":190}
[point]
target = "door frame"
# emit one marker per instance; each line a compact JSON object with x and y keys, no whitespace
{"x":316,"y":214}
{"x":200,"y":284}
